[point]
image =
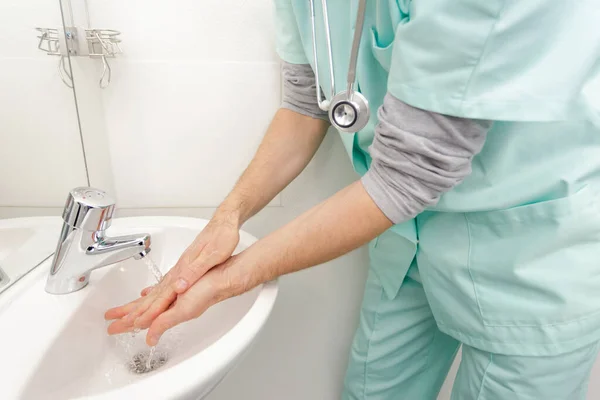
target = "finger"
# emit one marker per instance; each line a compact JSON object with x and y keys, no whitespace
{"x":194,"y":250}
{"x":145,"y":302}
{"x":139,"y":310}
{"x":119,"y":326}
{"x":158,"y":306}
{"x":191,"y":252}
{"x":188,"y":306}
{"x":121,"y":311}
{"x":190,"y":273}
{"x":164,"y":322}
{"x":147,"y":290}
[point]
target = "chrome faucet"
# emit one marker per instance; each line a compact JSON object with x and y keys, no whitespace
{"x":83,"y":245}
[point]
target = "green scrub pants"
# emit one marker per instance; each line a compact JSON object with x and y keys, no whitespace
{"x":399,"y":353}
{"x":517,"y":287}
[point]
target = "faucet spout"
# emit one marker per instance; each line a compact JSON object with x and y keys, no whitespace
{"x":110,"y":250}
{"x":83,"y":245}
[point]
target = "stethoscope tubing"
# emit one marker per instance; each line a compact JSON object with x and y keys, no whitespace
{"x":358,"y":104}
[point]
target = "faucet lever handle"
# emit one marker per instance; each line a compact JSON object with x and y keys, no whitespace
{"x":89,"y":209}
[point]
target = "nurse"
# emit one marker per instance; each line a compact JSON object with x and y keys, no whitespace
{"x":474,"y":127}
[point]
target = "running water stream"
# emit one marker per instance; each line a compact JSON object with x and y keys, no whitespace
{"x":135,"y":356}
{"x":158,"y":276}
{"x":153,"y":268}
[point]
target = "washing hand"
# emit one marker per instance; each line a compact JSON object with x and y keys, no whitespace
{"x":213,"y":246}
{"x":212,"y":288}
{"x":288,"y":146}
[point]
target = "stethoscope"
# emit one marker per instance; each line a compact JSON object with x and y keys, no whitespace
{"x":348,"y":109}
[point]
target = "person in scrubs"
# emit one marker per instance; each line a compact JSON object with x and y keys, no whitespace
{"x":478,"y":196}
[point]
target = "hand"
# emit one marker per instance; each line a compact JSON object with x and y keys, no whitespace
{"x":207,"y":291}
{"x":212,"y":246}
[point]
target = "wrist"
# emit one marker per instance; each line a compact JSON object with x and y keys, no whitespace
{"x":236,"y":208}
{"x":229,"y":215}
{"x":228,"y":281}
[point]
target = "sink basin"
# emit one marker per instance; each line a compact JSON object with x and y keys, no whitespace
{"x":56,"y":347}
{"x":24,"y":244}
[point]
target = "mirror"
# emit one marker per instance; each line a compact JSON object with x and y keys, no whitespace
{"x":41,"y":155}
{"x":41,"y":152}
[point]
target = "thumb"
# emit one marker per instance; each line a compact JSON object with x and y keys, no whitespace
{"x":189,"y":273}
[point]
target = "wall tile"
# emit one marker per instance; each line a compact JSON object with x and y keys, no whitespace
{"x":40,"y":151}
{"x":18,"y":20}
{"x":180,"y":133}
{"x":225,"y":30}
{"x":87,"y":72}
{"x":21,"y":212}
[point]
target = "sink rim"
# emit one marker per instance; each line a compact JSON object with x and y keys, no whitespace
{"x":27,"y":222}
{"x":200,"y":369}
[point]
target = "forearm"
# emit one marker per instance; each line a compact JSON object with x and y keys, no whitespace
{"x":337,"y":226}
{"x":289,"y":144}
{"x":417,"y":156}
{"x":291,"y":141}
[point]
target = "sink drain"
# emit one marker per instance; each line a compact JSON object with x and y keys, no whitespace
{"x":139,"y":363}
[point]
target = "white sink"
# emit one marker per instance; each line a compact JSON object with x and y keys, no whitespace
{"x":56,"y":347}
{"x":24,"y":244}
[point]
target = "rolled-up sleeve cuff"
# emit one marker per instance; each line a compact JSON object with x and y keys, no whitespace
{"x":379,"y":190}
{"x":302,"y":110}
{"x":300,"y":91}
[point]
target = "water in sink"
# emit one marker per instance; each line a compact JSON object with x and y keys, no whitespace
{"x":151,"y":364}
{"x":137,"y":358}
{"x":147,"y":362}
{"x":147,"y":359}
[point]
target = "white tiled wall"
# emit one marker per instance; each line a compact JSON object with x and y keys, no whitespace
{"x":181,"y":132}
{"x":40,"y":151}
{"x":217,"y":30}
{"x":192,"y":95}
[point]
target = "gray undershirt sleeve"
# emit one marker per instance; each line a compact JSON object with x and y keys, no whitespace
{"x":299,"y":90}
{"x":417,"y":156}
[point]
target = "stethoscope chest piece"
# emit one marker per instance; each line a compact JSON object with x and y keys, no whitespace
{"x":349,"y":109}
{"x":349,"y":112}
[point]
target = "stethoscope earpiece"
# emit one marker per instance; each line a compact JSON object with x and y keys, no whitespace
{"x":349,"y":109}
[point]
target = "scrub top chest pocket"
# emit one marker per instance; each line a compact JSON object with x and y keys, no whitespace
{"x":537,"y":264}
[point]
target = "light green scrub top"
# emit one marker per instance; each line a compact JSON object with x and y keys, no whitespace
{"x":532,"y":66}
